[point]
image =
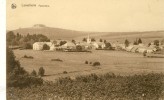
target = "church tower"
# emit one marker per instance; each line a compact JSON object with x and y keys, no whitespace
{"x":88,"y":39}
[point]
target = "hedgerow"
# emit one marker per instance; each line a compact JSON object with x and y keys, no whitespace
{"x":96,"y":87}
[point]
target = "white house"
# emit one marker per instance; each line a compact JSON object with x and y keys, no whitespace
{"x":39,"y":45}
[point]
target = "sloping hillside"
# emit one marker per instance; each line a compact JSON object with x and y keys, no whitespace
{"x":147,"y":36}
{"x":52,"y":33}
{"x":58,"y":33}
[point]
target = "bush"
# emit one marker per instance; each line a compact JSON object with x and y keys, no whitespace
{"x":30,"y":57}
{"x":86,"y":62}
{"x":41,"y":71}
{"x":25,"y":56}
{"x":96,"y":64}
{"x":57,"y":60}
{"x":90,"y":63}
{"x":65,"y":72}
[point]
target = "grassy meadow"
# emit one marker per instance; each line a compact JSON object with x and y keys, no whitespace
{"x":118,"y":62}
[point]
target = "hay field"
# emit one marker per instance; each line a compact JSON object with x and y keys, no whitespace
{"x":118,"y":62}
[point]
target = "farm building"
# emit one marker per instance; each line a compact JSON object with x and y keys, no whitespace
{"x":98,"y":45}
{"x":85,"y":45}
{"x":39,"y":45}
{"x":69,"y":45}
{"x":141,"y":49}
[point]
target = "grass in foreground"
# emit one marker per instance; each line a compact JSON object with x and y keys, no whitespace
{"x":95,"y":87}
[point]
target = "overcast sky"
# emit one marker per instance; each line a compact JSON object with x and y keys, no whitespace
{"x":89,"y":15}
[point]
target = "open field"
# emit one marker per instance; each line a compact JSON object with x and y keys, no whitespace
{"x":118,"y":62}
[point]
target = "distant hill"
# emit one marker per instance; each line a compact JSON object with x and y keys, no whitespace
{"x":52,"y":33}
{"x":58,"y":33}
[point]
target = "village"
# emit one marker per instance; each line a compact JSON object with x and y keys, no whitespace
{"x":87,"y":45}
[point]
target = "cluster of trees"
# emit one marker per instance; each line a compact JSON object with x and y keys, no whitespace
{"x":127,"y":43}
{"x":156,"y":42}
{"x":25,"y":41}
{"x":41,"y":72}
{"x":17,"y":76}
{"x":92,"y":39}
{"x":137,"y":41}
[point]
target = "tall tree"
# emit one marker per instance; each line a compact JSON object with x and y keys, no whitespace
{"x":84,"y":39}
{"x":9,"y":37}
{"x":41,"y":71}
{"x":73,"y":41}
{"x":126,"y":43}
{"x":139,"y":41}
{"x":101,"y":40}
{"x":105,"y":41}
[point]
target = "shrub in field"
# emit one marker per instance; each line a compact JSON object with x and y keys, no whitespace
{"x":86,"y":62}
{"x":57,"y":60}
{"x":41,"y":71}
{"x":90,"y":63}
{"x":65,"y":72}
{"x":30,"y":57}
{"x":25,"y":56}
{"x":96,"y":64}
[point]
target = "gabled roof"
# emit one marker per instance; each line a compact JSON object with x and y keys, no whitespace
{"x":39,"y":43}
{"x":99,"y":43}
{"x":42,"y":43}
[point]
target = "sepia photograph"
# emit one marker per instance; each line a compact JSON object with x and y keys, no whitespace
{"x":84,"y":50}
